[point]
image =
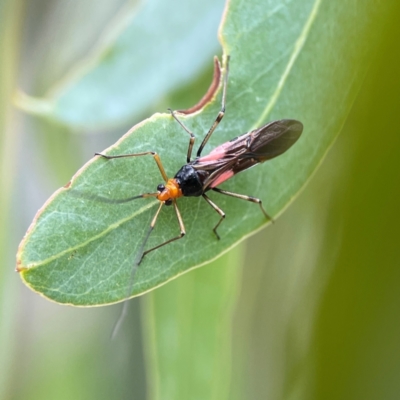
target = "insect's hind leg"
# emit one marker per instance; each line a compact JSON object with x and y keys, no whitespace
{"x":247,"y":198}
{"x":220,"y":114}
{"x":156,"y":157}
{"x":218,"y":210}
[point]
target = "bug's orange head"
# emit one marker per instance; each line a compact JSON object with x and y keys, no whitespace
{"x":169,"y":191}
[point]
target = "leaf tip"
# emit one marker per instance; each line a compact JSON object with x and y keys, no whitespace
{"x":32,"y":105}
{"x":19,"y":267}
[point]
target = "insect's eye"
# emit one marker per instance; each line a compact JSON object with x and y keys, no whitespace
{"x":160,"y":187}
{"x":168,"y":202}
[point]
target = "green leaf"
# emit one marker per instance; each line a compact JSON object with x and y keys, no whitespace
{"x":80,"y":249}
{"x":127,"y":70}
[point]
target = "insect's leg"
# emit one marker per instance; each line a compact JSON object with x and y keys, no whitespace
{"x":192,"y":137}
{"x":139,"y":259}
{"x":181,"y":226}
{"x":220,"y":114}
{"x":153,"y":153}
{"x":247,"y":198}
{"x":218,"y":210}
{"x":136,"y":263}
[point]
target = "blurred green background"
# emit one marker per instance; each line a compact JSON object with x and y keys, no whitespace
{"x":315,"y":313}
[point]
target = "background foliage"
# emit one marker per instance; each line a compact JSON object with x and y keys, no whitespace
{"x":308,"y":308}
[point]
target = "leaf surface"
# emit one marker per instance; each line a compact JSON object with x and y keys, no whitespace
{"x":80,"y":248}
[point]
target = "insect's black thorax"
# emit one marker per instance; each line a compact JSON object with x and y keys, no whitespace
{"x":190,"y":180}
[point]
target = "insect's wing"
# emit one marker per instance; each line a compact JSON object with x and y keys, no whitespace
{"x":247,"y":150}
{"x":273,"y":139}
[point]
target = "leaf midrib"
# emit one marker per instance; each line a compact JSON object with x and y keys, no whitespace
{"x":110,"y":228}
{"x":295,"y":53}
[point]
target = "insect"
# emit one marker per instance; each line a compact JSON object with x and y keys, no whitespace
{"x":206,"y":173}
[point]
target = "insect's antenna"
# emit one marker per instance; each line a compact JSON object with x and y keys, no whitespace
{"x":135,"y":266}
{"x":124,"y":308}
{"x":91,"y":196}
{"x":120,"y":201}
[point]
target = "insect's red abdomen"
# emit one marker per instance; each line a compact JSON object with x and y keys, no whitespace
{"x":222,"y":178}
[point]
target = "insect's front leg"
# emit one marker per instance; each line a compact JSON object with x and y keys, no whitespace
{"x":192,"y":137}
{"x":156,"y":157}
{"x":181,"y":226}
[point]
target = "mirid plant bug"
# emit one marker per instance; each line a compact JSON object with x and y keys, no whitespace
{"x":203,"y":174}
